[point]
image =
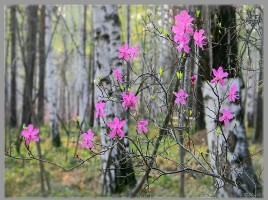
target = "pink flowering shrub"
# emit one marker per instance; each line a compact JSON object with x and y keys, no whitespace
{"x":183,"y":31}
{"x":157,"y":93}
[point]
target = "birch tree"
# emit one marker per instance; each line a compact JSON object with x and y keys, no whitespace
{"x":228,"y":145}
{"x":117,"y":173}
{"x":82,"y":71}
{"x":51,"y":80}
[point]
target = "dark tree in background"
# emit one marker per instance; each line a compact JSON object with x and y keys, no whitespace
{"x":229,"y":151}
{"x":29,"y":65}
{"x":13,"y":100}
{"x":42,"y":65}
{"x":259,"y":117}
{"x":223,"y":30}
{"x":31,"y":12}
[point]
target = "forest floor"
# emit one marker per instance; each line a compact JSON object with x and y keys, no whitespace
{"x":22,"y":178}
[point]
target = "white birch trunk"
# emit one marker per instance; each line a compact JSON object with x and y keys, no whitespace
{"x":82,"y":72}
{"x":51,"y":82}
{"x":228,"y":155}
{"x":107,"y":40}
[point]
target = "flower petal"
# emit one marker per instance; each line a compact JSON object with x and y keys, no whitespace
{"x":25,"y":133}
{"x":35,"y":131}
{"x":112,"y":134}
{"x":84,"y":143}
{"x":120,"y":133}
{"x":30,"y":128}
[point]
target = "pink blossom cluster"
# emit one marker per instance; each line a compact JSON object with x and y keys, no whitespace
{"x":219,"y":75}
{"x":126,"y":52}
{"x":184,"y":30}
{"x":116,"y":126}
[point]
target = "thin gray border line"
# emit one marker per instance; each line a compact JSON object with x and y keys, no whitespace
{"x":71,"y":2}
{"x":152,"y":2}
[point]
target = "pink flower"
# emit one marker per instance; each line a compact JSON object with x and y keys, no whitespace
{"x":30,"y":134}
{"x":219,"y":75}
{"x":127,"y":52}
{"x":99,"y":109}
{"x":179,"y":32}
{"x":118,"y":75}
{"x":184,"y":41}
{"x":184,"y":20}
{"x":134,"y":51}
{"x":183,"y":29}
{"x":141,"y":126}
{"x":124,"y":52}
{"x":116,"y":127}
{"x":232,"y":93}
{"x":181,"y":95}
{"x":199,"y":38}
{"x":226,"y":116}
{"x":193,"y":79}
{"x":87,"y":139}
{"x":129,"y":100}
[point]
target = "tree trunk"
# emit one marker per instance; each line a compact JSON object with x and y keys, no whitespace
{"x":51,"y":81}
{"x":116,"y":172}
{"x":259,"y":117}
{"x":42,"y":169}
{"x":228,"y":147}
{"x":91,"y":76}
{"x":13,"y":100}
{"x":230,"y":157}
{"x":83,"y":73}
{"x":27,"y":110}
{"x":7,"y":105}
{"x":182,"y":119}
{"x":203,"y":63}
{"x":42,"y":65}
